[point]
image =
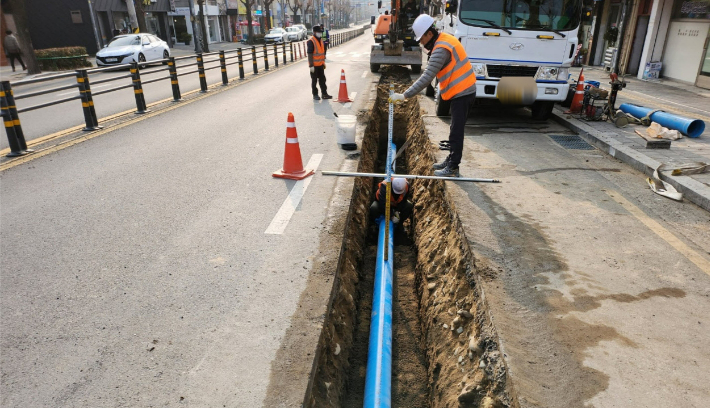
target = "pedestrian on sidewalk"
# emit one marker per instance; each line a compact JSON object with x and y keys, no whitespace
{"x":316,"y":62}
{"x":12,"y":50}
{"x":399,"y":204}
{"x":457,"y":83}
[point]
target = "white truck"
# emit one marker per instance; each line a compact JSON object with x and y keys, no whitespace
{"x":533,"y":39}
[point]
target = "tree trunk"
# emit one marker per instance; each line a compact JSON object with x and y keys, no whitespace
{"x":17,"y":9}
{"x":203,"y":24}
{"x":140,"y":16}
{"x":250,"y":29}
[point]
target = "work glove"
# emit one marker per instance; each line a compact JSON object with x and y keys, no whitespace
{"x":313,"y":70}
{"x":394,"y":98}
{"x":395,"y":217}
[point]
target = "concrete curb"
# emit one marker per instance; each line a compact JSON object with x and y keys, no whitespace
{"x":695,"y":191}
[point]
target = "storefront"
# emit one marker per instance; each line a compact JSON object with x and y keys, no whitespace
{"x":112,"y":19}
{"x":686,"y":56}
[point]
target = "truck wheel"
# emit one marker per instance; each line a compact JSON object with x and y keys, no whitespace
{"x":430,"y":90}
{"x":374,"y":67}
{"x":542,"y":110}
{"x":416,"y":69}
{"x":443,"y":108}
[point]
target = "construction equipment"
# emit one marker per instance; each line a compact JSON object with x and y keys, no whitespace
{"x":398,"y":46}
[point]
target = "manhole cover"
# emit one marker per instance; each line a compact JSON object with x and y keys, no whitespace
{"x":571,"y":142}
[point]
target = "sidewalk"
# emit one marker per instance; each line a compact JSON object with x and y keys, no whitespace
{"x":625,"y":145}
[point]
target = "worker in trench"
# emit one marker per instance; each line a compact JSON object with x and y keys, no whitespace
{"x":457,"y":83}
{"x":400,"y":207}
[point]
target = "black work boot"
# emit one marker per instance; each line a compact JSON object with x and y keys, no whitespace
{"x":316,"y":98}
{"x":442,"y":165}
{"x":326,"y":96}
{"x":448,"y":171}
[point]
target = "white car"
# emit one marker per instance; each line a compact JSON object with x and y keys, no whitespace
{"x":304,"y":30}
{"x":128,"y":48}
{"x":294,"y":34}
{"x":276,"y":35}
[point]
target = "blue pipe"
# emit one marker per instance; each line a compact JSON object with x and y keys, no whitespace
{"x":687,"y":126}
{"x":378,"y":377}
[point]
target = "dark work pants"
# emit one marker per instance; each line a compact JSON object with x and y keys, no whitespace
{"x":318,"y":77}
{"x":405,"y":210}
{"x":459,"y":114}
{"x":12,"y":57}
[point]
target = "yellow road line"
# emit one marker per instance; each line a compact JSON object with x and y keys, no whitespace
{"x":662,"y":232}
{"x":40,"y":153}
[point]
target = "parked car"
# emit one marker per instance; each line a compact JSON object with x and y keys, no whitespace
{"x":276,"y":35}
{"x":304,"y":30}
{"x":128,"y":48}
{"x":294,"y":34}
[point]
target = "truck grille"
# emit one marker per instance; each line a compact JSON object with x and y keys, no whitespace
{"x":500,"y":71}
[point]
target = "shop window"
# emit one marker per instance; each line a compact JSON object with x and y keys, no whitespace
{"x":76,"y":17}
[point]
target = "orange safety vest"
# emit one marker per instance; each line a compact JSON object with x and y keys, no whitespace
{"x":394,"y":198}
{"x":318,"y":52}
{"x":458,"y":75}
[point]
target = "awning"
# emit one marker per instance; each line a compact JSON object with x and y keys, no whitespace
{"x":253,"y":23}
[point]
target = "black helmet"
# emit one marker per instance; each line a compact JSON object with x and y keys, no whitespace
{"x":317,"y":29}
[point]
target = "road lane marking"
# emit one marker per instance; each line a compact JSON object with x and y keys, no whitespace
{"x":364,"y":74}
{"x":659,"y":230}
{"x":283,"y":216}
{"x":352,"y":98}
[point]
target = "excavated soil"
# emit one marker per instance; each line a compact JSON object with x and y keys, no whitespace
{"x":445,"y":351}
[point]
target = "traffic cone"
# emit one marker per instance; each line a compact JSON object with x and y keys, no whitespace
{"x":343,"y":93}
{"x":576,"y":106}
{"x":293,"y":164}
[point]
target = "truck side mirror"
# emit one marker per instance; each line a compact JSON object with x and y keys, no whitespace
{"x":451,"y":6}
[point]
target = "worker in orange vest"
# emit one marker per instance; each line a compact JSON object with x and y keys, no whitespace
{"x":400,"y":207}
{"x":457,"y":83}
{"x":316,"y":62}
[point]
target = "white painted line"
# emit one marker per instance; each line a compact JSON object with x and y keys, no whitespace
{"x":283,"y":216}
{"x":364,"y":74}
{"x":352,"y":98}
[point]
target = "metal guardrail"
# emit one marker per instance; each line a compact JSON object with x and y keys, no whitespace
{"x":10,"y":112}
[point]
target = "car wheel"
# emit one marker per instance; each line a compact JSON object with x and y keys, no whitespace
{"x":374,"y":67}
{"x":542,"y":110}
{"x":141,"y":59}
{"x":166,"y":55}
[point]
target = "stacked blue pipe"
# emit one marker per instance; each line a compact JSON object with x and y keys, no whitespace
{"x":686,"y":126}
{"x":378,"y":377}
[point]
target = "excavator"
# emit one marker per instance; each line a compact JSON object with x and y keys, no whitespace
{"x":395,"y":42}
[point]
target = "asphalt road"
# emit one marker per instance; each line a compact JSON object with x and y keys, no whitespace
{"x":45,"y":121}
{"x":598,"y":287}
{"x":135,"y":266}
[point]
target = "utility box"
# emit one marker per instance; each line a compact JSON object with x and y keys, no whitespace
{"x":652,"y":70}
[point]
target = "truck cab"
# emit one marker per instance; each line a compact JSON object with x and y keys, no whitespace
{"x":533,"y":39}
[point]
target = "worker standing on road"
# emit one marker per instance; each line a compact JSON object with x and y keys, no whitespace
{"x":316,"y":62}
{"x":457,"y":83}
{"x":326,"y":36}
{"x":401,"y":206}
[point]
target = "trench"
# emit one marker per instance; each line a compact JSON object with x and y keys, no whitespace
{"x":445,"y":348}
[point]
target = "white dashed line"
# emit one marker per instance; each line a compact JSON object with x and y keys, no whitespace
{"x":283,"y":216}
{"x":364,"y":74}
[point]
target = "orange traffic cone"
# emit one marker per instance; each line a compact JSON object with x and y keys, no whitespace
{"x":577,"y":101}
{"x":343,"y":93}
{"x":293,"y":164}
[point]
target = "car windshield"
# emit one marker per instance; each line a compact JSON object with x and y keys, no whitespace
{"x":123,"y":41}
{"x":275,"y":31}
{"x":522,"y":14}
{"x":292,"y":29}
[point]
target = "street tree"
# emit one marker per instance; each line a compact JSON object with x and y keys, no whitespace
{"x":17,"y":9}
{"x":140,"y":14}
{"x":248,"y":5}
{"x":205,"y":46}
{"x":267,"y":14}
{"x":296,"y":5}
{"x":283,"y":4}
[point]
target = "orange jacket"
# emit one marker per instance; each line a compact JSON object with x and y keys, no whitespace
{"x":458,"y":75}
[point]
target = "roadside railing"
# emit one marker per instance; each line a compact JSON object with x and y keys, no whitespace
{"x":202,"y":63}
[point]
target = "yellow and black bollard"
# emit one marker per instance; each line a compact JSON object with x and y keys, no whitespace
{"x":276,"y":55}
{"x":87,"y":102}
{"x":266,"y":58}
{"x":201,"y":72}
{"x":13,"y":139}
{"x":240,"y":57}
{"x":223,"y":68}
{"x":283,"y":47}
{"x":253,"y":59}
{"x":291,"y":48}
{"x":172,"y":69}
{"x":138,"y":90}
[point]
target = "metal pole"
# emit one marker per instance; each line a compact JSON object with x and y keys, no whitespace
{"x":266,"y":58}
{"x":196,"y":36}
{"x":93,"y":24}
{"x":12,"y":139}
{"x":276,"y":55}
{"x":408,"y":176}
{"x":87,"y":102}
{"x":201,"y":72}
{"x":283,"y":47}
{"x":253,"y":59}
{"x":223,"y":66}
{"x":241,"y":63}
{"x":138,"y":89}
{"x":174,"y":79}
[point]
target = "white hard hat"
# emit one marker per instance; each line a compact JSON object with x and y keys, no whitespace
{"x":421,"y":24}
{"x":398,"y":185}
